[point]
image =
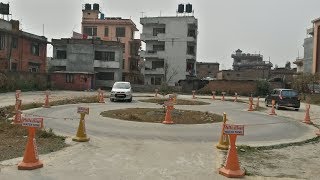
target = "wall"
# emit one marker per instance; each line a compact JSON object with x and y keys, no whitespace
{"x":207,"y":70}
{"x":316,"y":48}
{"x":58,"y":81}
{"x":243,"y":75}
{"x":308,"y":52}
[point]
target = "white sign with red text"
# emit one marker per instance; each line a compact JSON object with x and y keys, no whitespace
{"x":83,"y":110}
{"x":32,"y":122}
{"x":234,"y":129}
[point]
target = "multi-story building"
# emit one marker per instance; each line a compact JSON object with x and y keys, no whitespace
{"x":207,"y":69}
{"x":171,"y":48}
{"x":21,"y":51}
{"x":81,"y":64}
{"x":308,"y":52}
{"x":243,"y":61}
{"x":95,"y":24}
{"x":316,"y":46}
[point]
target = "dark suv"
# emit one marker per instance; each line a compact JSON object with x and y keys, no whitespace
{"x":284,"y":98}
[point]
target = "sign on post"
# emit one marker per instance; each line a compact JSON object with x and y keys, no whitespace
{"x":234,"y":129}
{"x":83,"y":110}
{"x":32,"y":122}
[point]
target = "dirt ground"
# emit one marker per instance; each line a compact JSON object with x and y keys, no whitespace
{"x":157,"y":115}
{"x":178,"y":101}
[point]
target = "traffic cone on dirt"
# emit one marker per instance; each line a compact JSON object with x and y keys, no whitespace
{"x":101,"y":97}
{"x":193,"y":94}
{"x":273,"y":112}
{"x":235,"y":97}
{"x":257,"y":105}
{"x":30,"y":159}
{"x":156,"y":95}
{"x":222,"y":99}
{"x":169,"y":108}
{"x":17,"y":116}
{"x":250,"y":104}
{"x":224,"y":139}
{"x":18,"y":92}
{"x":46,"y":100}
{"x":307,"y":118}
{"x":213,"y":95}
{"x":232,"y":167}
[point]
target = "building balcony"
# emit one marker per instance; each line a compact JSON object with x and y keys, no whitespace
{"x":153,"y":54}
{"x":151,"y":37}
{"x":154,"y":71}
{"x":58,"y":62}
{"x":106,"y":64}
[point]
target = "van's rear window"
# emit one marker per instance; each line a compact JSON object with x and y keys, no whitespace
{"x":289,"y":93}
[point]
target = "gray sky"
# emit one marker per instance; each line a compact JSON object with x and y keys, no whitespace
{"x":275,"y":28}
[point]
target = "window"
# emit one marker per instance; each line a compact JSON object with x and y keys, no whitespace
{"x":191,"y":33}
{"x":123,"y":65}
{"x":106,"y":31}
{"x":158,"y":47}
{"x":35,"y":49}
{"x":157,"y":64}
{"x":120,"y":32}
{"x":157,"y":31}
{"x":61,"y":54}
{"x":2,"y":41}
{"x":33,"y":67}
{"x":14,"y":42}
{"x":156,"y":80}
{"x":90,"y":31}
{"x":190,"y":50}
{"x":105,"y":76}
{"x":69,"y":78}
{"x":104,"y":55}
{"x":124,"y":48}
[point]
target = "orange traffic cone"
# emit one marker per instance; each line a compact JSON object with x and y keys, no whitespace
{"x":224,"y":139}
{"x":213,"y":95}
{"x":30,"y":159}
{"x":273,"y":112}
{"x":17,"y":116}
{"x":101,"y":97}
{"x":193,"y":94}
{"x":257,"y":105}
{"x":232,"y":167}
{"x":156,"y":95}
{"x":307,"y":118}
{"x":46,"y":100}
{"x":250,"y":104}
{"x":235,"y":97}
{"x":169,"y":108}
{"x":18,"y":92}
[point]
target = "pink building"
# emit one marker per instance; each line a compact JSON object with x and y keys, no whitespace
{"x":114,"y":29}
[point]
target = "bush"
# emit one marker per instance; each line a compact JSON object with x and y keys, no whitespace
{"x":263,"y":88}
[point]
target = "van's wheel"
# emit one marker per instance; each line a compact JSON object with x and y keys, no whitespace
{"x":266,"y":103}
{"x":112,"y":100}
{"x":296,"y":109}
{"x":129,"y":100}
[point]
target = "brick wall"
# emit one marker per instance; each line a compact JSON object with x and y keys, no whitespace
{"x":59,"y":81}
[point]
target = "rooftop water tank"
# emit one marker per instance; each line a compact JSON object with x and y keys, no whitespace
{"x":96,"y":6}
{"x":87,"y":6}
{"x":180,"y":8}
{"x":189,"y":8}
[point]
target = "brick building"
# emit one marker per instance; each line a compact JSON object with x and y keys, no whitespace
{"x":21,"y":51}
{"x":207,"y":69}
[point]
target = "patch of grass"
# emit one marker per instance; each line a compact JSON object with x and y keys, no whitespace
{"x":314,"y":98}
{"x":154,"y":115}
{"x":14,"y":139}
{"x":178,"y":102}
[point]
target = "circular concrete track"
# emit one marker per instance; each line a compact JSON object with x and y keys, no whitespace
{"x":260,"y":128}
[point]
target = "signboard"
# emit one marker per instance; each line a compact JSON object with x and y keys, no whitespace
{"x":83,"y":110}
{"x":4,"y":9}
{"x":32,"y":122}
{"x":234,"y":129}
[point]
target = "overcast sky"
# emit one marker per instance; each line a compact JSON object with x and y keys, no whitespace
{"x":275,"y":28}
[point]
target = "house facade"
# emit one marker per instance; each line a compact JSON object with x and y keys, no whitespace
{"x":95,"y":24}
{"x":98,"y":62}
{"x":171,"y":48}
{"x":21,"y":51}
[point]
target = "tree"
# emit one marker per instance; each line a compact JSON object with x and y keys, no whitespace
{"x":288,"y":65}
{"x":169,"y":73}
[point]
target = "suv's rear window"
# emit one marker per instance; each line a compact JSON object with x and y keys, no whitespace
{"x":289,"y":93}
